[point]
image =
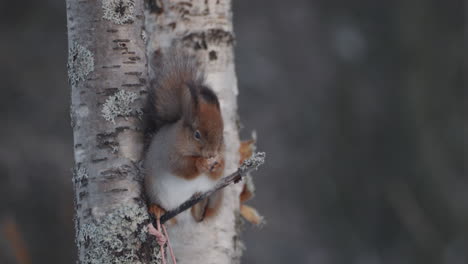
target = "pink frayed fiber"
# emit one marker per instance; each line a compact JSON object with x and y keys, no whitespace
{"x":162,"y":239}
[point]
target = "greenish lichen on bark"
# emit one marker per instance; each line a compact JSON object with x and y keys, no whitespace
{"x":119,"y":104}
{"x":80,"y":63}
{"x":119,"y":11}
{"x":113,"y":237}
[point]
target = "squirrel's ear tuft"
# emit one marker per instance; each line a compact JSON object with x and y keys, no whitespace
{"x":189,"y":103}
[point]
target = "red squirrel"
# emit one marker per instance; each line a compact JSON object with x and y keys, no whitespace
{"x":186,"y":154}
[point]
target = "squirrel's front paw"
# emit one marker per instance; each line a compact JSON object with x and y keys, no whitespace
{"x":156,"y":210}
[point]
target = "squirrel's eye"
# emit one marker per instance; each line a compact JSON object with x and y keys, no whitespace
{"x":197,"y":135}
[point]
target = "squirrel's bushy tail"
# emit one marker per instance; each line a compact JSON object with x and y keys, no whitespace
{"x":170,"y":74}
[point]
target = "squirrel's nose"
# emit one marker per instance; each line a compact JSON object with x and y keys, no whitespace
{"x":212,"y":161}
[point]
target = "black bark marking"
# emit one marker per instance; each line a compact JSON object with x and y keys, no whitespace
{"x":111,"y":66}
{"x":220,"y":36}
{"x":200,"y":40}
{"x":172,"y":25}
{"x":121,"y":129}
{"x":107,"y":141}
{"x":121,"y":45}
{"x":116,"y":173}
{"x":121,"y":40}
{"x":188,"y":4}
{"x":72,"y":119}
{"x":213,"y":55}
{"x":134,"y":73}
{"x":97,"y":160}
{"x":120,"y":9}
{"x":84,"y":182}
{"x":109,"y":91}
{"x":82,"y":195}
{"x":155,"y":6}
{"x":133,"y":85}
{"x":87,"y":213}
{"x":117,"y":190}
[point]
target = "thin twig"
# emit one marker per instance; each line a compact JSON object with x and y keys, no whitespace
{"x":248,"y":165}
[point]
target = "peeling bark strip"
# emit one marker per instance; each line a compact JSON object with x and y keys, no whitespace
{"x":204,"y":28}
{"x":107,"y":71}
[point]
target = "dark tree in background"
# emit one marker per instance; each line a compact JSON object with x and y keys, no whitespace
{"x":360,"y":105}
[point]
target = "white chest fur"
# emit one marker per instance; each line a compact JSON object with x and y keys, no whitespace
{"x":172,"y":190}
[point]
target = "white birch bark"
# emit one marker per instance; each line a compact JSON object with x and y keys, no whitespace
{"x":108,"y":75}
{"x":204,"y":28}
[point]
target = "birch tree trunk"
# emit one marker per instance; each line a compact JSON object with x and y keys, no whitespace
{"x":204,"y":28}
{"x":108,"y":73}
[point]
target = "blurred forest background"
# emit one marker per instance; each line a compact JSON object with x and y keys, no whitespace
{"x":360,"y":106}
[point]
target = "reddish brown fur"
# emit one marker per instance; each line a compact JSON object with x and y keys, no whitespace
{"x":246,"y":150}
{"x":246,"y":194}
{"x":198,"y":210}
{"x":186,"y":167}
{"x":192,"y":156}
{"x":250,"y":214}
{"x":210,"y":124}
{"x":157,"y":212}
